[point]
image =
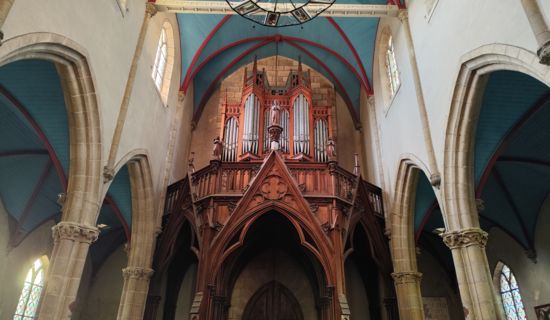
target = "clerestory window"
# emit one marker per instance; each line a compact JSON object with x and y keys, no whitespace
{"x":160,"y":60}
{"x":391,"y":68}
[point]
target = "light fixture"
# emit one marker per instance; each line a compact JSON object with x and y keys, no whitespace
{"x":273,"y":13}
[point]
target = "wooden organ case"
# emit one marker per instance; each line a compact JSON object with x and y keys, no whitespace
{"x":249,"y":178}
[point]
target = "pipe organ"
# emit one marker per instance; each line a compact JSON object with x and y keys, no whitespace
{"x":301,"y":125}
{"x":251,"y":124}
{"x":306,"y":127}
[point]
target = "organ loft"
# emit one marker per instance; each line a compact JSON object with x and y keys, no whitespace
{"x":273,"y":221}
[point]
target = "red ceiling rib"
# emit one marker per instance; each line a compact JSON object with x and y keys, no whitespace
{"x":108,"y":200}
{"x":268,"y":40}
{"x":505,"y":141}
{"x":214,"y":82}
{"x":200,"y":50}
{"x":219,"y":51}
{"x":275,"y":38}
{"x":344,"y":92}
{"x":40,"y":133}
{"x":353,"y":51}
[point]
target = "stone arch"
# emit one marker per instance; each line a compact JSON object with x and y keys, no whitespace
{"x":83,"y":113}
{"x":303,"y":230}
{"x":402,"y":242}
{"x":458,"y":188}
{"x":145,"y":228}
{"x":76,"y":231}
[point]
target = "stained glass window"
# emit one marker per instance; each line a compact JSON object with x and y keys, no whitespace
{"x":160,"y":60}
{"x":391,"y":68}
{"x":31,"y":293}
{"x":509,"y":291}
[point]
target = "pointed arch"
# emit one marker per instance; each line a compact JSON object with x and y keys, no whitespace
{"x":77,"y":79}
{"x":461,"y":124}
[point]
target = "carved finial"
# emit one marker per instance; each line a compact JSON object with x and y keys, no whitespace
{"x":300,"y":71}
{"x":356,"y":167}
{"x":255,"y":66}
{"x":218,"y":149}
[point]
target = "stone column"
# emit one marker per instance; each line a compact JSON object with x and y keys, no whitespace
{"x":540,"y":29}
{"x":71,"y":243}
{"x":473,"y":276}
{"x":134,"y":293}
{"x":409,"y":298}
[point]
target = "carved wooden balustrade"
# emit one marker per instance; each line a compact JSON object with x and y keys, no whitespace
{"x":315,"y":180}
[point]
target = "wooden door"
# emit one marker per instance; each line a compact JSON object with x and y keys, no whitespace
{"x":273,"y":301}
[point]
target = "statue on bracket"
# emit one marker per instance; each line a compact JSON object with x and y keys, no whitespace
{"x":218,"y":149}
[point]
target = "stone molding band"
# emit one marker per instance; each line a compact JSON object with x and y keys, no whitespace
{"x":65,"y":230}
{"x":137,"y":273}
{"x":465,"y":238}
{"x":406,"y":277}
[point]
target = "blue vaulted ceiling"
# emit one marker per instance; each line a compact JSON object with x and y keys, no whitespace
{"x":511,"y":159}
{"x":341,"y":49}
{"x":34,"y":150}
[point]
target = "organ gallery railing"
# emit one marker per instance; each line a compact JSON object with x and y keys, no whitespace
{"x":314,"y":180}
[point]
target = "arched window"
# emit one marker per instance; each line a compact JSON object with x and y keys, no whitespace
{"x":391,"y":68}
{"x":161,"y":59}
{"x":509,"y":292}
{"x":32,"y":291}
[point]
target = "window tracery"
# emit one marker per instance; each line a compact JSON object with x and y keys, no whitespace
{"x":391,"y":68}
{"x":161,"y":58}
{"x":32,"y":291}
{"x":509,"y":292}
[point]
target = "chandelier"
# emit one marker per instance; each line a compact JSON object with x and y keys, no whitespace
{"x":275,"y":13}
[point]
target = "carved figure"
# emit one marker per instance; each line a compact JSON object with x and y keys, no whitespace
{"x":331,"y":149}
{"x":275,"y":114}
{"x":218,"y":148}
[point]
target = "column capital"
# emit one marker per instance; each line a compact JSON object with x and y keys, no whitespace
{"x":150,"y":9}
{"x":465,"y":238}
{"x":66,"y":230}
{"x":137,"y":273}
{"x":544,"y":53}
{"x":406,"y":277}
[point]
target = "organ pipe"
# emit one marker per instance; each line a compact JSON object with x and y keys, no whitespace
{"x":251,"y":124}
{"x":321,"y":138}
{"x":284,"y":135}
{"x":301,"y":125}
{"x":230,"y":140}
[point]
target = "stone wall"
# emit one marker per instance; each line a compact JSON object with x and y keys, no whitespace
{"x":16,"y":262}
{"x":533,"y":278}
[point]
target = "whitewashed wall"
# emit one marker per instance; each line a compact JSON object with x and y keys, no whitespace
{"x":454,"y":29}
{"x":109,"y":37}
